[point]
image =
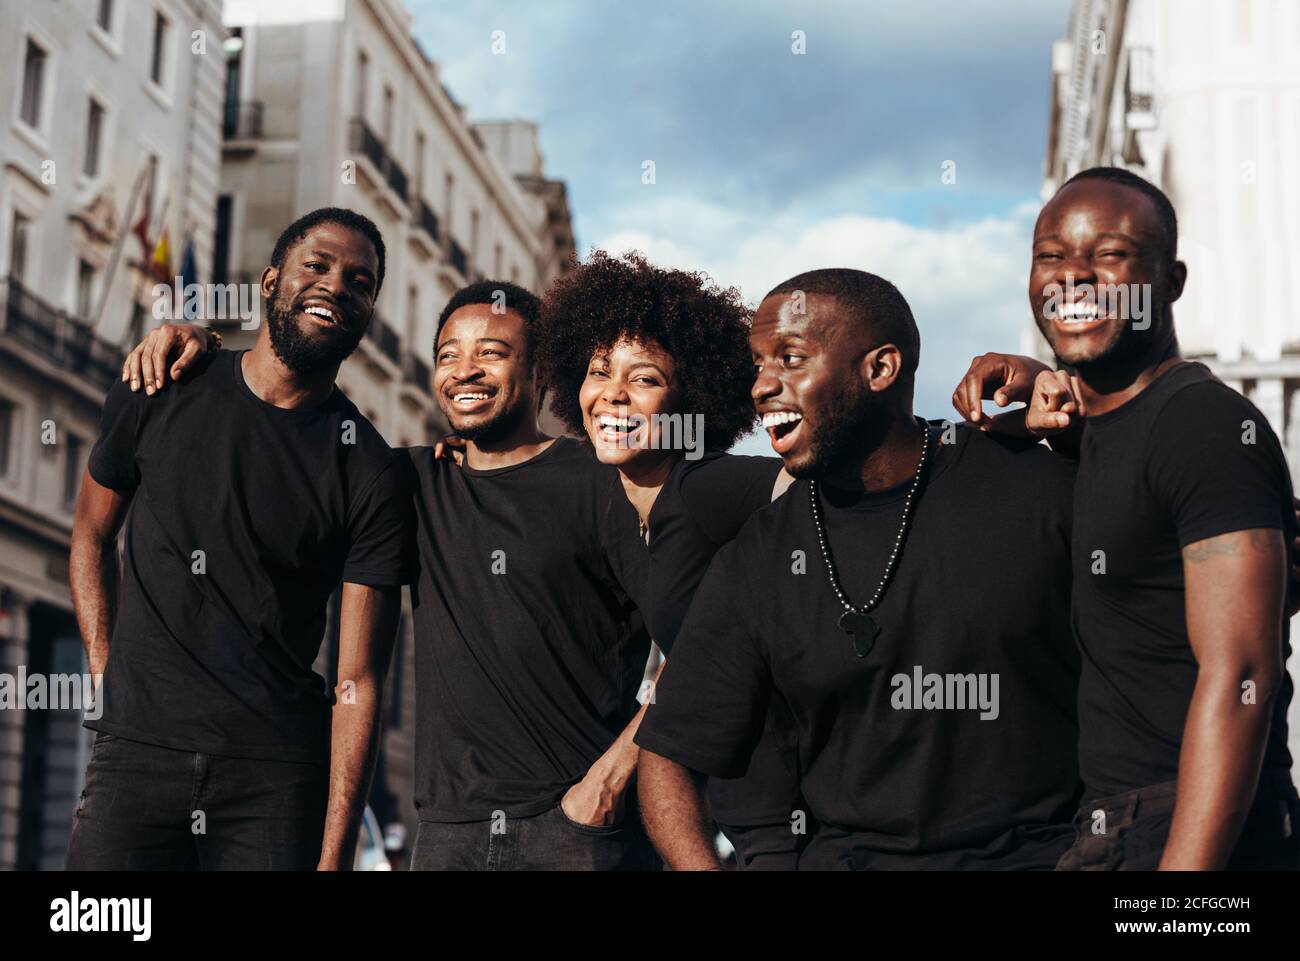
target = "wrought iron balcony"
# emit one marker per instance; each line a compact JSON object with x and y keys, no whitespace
{"x":241,"y":120}
{"x":426,"y":219}
{"x":1139,"y":88}
{"x":415,"y":371}
{"x":372,"y":148}
{"x":385,"y":338}
{"x":456,"y":256}
{"x":29,"y":320}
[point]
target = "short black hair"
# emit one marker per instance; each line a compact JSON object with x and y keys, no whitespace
{"x":876,"y":302}
{"x":330,"y":215}
{"x":703,"y":327}
{"x":1126,"y":178}
{"x":490,"y":292}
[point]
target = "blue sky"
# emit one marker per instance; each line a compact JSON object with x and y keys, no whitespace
{"x":767,"y":162}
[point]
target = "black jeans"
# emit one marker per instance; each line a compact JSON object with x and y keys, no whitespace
{"x":549,"y":841}
{"x":1132,"y":835}
{"x":153,"y":808}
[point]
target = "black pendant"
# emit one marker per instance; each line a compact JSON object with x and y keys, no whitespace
{"x":862,"y":628}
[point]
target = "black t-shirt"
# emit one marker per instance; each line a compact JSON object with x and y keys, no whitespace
{"x":1167,"y":469}
{"x":703,"y":505}
{"x":980,"y":596}
{"x":244,"y":520}
{"x":529,"y":649}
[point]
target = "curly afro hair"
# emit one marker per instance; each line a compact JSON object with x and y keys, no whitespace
{"x":705,"y":328}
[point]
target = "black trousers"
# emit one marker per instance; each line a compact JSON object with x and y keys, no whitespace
{"x":549,"y":841}
{"x":1131,"y":832}
{"x":153,"y":808}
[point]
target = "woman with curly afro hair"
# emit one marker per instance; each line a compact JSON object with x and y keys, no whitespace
{"x":653,"y":365}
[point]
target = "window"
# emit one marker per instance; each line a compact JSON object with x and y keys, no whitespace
{"x":104,"y":16}
{"x":18,"y":246}
{"x":473,"y":236}
{"x":158,"y":63}
{"x":33,"y":83}
{"x":388,"y":115}
{"x":85,"y":291}
{"x":234,"y":50}
{"x":221,"y":248}
{"x":363,"y":78}
{"x":412,"y":313}
{"x":448,"y":188}
{"x":72,"y":468}
{"x":418,"y":174}
{"x":94,"y":133}
{"x":8,"y":417}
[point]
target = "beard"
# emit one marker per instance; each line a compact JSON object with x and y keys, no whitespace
{"x":1123,"y":344}
{"x":852,"y":425}
{"x":497,"y":426}
{"x":307,"y":352}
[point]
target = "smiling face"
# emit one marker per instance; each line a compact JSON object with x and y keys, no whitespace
{"x":1102,"y":235}
{"x":808,"y":388}
{"x":625,"y":387}
{"x":321,"y":297}
{"x":483,"y":377}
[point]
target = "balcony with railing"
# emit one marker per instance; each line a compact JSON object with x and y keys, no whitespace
{"x":30,"y":321}
{"x":241,"y":120}
{"x":456,"y":257}
{"x":416,"y":373}
{"x":369,"y":145}
{"x":1139,"y":89}
{"x":385,"y":339}
{"x":425,"y":219}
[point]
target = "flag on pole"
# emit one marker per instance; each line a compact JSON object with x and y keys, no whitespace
{"x":189,"y":266}
{"x":141,"y":228}
{"x":160,"y":264}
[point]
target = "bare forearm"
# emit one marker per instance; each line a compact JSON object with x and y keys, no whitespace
{"x":94,"y":577}
{"x":367,"y":627}
{"x":673,"y":808}
{"x":1218,"y":770}
{"x":354,"y":748}
{"x":617,"y":766}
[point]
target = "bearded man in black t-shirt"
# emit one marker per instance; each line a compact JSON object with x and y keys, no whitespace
{"x":1183,"y":511}
{"x":906,"y":599}
{"x":256,"y":488}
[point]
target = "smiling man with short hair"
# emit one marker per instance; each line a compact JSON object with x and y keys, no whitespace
{"x":256,"y":488}
{"x":907,"y":599}
{"x":1183,"y":514}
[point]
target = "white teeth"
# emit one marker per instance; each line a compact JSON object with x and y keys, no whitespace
{"x":621,"y":423}
{"x":1078,"y":312}
{"x":777,"y":418}
{"x":462,"y":398}
{"x":319,"y":312}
